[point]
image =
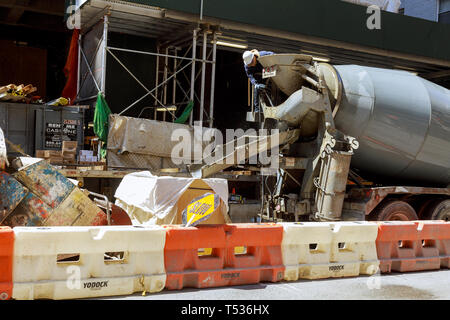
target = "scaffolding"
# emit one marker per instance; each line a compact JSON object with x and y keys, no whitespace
{"x":173,"y":59}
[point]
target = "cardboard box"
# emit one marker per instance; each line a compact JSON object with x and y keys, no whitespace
{"x":52,"y":153}
{"x":69,"y":156}
{"x":198,"y":188}
{"x":40,"y":153}
{"x":69,"y":147}
{"x":56,"y":160}
{"x":86,"y":153}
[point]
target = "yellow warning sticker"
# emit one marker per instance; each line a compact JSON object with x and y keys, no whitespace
{"x":200,"y":209}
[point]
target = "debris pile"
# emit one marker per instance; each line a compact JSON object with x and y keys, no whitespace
{"x":16,"y":93}
{"x":39,"y":195}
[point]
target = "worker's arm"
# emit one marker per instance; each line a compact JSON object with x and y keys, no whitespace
{"x":265,"y":53}
{"x":250,"y":76}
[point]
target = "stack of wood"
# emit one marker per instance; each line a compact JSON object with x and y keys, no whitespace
{"x":15,"y":93}
{"x":52,"y":156}
{"x":69,"y":151}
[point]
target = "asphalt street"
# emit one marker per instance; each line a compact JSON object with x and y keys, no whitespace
{"x":430,"y":285}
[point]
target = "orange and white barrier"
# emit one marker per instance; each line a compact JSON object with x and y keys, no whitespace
{"x":413,"y":246}
{"x":223,"y":255}
{"x":6,"y":262}
{"x":317,"y":250}
{"x":85,"y":262}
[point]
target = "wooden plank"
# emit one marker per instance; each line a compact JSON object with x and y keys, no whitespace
{"x":253,"y":148}
{"x":170,"y":170}
{"x":241,"y":173}
{"x":74,"y":173}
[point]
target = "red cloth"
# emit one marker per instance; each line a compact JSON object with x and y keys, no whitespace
{"x":71,"y":69}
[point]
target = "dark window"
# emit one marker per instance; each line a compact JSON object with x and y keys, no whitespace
{"x":444,"y":17}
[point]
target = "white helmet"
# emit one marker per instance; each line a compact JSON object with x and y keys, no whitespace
{"x":248,"y":57}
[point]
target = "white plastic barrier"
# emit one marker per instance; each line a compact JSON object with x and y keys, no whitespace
{"x":317,"y":250}
{"x":39,"y":275}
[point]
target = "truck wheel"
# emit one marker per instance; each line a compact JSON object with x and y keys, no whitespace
{"x":395,"y":211}
{"x":425,"y":209}
{"x":440,"y":211}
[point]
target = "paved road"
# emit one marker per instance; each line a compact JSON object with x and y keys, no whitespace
{"x":417,"y":285}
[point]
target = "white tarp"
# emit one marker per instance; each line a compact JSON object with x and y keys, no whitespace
{"x":150,"y":199}
{"x":387,"y":5}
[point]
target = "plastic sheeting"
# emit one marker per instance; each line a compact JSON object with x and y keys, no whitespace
{"x":152,"y":200}
{"x":387,"y":5}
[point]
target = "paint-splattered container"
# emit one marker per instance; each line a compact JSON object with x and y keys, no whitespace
{"x":32,"y":211}
{"x":11,"y":194}
{"x":45,"y":182}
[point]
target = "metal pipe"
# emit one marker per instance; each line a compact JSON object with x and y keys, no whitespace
{"x":137,"y":80}
{"x":105,"y":45}
{"x":184,"y":92}
{"x":194,"y":54}
{"x":213,"y":82}
{"x":88,"y":98}
{"x":89,"y":69}
{"x":90,"y":64}
{"x":79,"y":67}
{"x":174,"y":92}
{"x":108,"y":207}
{"x":202,"y":94}
{"x":156,"y":83}
{"x":154,"y":54}
{"x":166,"y":66}
{"x":150,"y":92}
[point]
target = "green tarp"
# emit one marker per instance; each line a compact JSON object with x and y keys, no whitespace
{"x":185,"y":115}
{"x":101,"y":116}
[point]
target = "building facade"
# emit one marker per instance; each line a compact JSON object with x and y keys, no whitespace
{"x":433,"y":10}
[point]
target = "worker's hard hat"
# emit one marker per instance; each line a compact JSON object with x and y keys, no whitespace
{"x":248,"y":57}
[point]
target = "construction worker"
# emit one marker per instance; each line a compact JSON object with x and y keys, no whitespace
{"x":253,"y":69}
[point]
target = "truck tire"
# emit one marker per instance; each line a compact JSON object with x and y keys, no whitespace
{"x":440,"y":211}
{"x":394,"y":210}
{"x":424,"y":209}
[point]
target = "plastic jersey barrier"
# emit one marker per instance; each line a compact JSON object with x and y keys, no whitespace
{"x":222,"y":255}
{"x":84,"y":262}
{"x":316,"y":250}
{"x":6,"y":262}
{"x":413,"y":246}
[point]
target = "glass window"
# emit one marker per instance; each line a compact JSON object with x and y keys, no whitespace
{"x":444,"y":6}
{"x":444,"y":17}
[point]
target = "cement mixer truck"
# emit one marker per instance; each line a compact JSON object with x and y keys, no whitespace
{"x":355,"y":143}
